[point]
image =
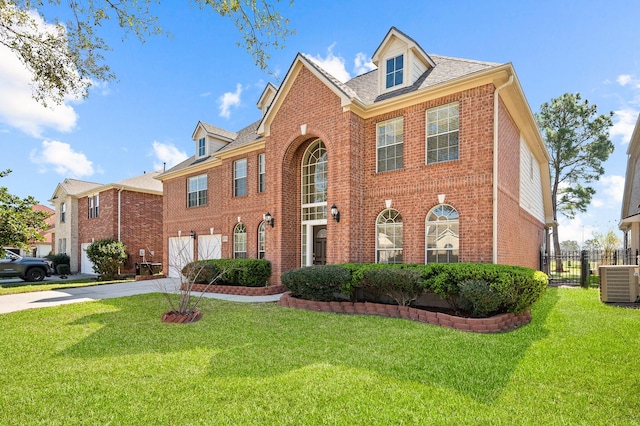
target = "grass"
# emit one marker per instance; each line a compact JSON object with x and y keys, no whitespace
{"x":17,"y":287}
{"x":114,"y":362}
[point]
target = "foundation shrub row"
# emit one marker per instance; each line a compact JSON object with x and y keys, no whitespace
{"x":235,"y":272}
{"x":480,"y":290}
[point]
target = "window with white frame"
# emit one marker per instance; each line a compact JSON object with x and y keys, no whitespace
{"x":389,"y":237}
{"x":197,"y":191}
{"x":262,"y":235}
{"x":63,"y":212}
{"x":202,"y":147}
{"x":262,"y":173}
{"x":442,"y":235}
{"x":394,"y":72}
{"x":443,"y":128}
{"x":62,"y":245}
{"x":240,"y":178}
{"x":240,"y":241}
{"x":390,"y":142}
{"x":94,"y":205}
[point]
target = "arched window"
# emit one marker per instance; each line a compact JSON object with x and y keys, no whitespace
{"x":389,"y":237}
{"x":261,"y":239}
{"x":240,"y":241}
{"x":442,"y":235}
{"x":314,"y":182}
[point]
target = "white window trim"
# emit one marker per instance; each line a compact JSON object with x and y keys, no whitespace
{"x":397,"y":143}
{"x":427,"y":135}
{"x":236,"y":178}
{"x":198,"y":155}
{"x":197,"y":191}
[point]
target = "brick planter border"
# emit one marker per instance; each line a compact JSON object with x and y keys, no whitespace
{"x":494,"y":324}
{"x":240,"y":290}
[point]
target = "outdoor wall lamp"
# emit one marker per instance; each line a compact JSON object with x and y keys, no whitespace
{"x":335,"y":213}
{"x":269,"y":219}
{"x":193,"y":234}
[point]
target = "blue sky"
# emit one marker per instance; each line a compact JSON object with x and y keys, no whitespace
{"x":166,"y":85}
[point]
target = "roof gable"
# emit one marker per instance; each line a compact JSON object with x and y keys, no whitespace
{"x":396,"y":40}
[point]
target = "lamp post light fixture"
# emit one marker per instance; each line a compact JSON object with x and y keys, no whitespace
{"x":193,"y":234}
{"x":335,"y":213}
{"x":269,"y":219}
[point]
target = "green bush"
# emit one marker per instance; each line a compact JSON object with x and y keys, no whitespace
{"x":402,"y":285}
{"x":59,"y":259}
{"x":238,"y":272}
{"x":479,"y":298}
{"x":63,"y":269}
{"x":316,"y":282}
{"x":108,"y":256}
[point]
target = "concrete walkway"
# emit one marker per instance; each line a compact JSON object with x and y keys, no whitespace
{"x":42,"y":299}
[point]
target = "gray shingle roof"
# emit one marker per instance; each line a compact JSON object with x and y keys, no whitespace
{"x":75,"y":186}
{"x":218,"y":131}
{"x":446,"y":69}
{"x":146,"y":182}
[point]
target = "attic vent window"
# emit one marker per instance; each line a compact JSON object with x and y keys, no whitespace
{"x":395,"y":67}
{"x":202,"y":147}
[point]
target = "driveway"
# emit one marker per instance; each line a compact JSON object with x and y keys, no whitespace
{"x":42,"y":299}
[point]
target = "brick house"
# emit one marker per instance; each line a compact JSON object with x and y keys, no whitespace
{"x":424,"y":159}
{"x":130,"y":211}
{"x":630,"y":213}
{"x":65,"y":233}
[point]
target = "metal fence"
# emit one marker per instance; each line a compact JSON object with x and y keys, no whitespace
{"x":581,"y":267}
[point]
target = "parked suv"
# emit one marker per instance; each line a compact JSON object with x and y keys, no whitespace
{"x":25,"y":268}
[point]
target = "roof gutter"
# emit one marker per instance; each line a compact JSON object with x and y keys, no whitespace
{"x":496,"y":102}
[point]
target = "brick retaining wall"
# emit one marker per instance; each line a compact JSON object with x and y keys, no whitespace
{"x":494,"y":324}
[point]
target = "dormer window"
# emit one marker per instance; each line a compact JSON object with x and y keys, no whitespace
{"x":202,"y":147}
{"x":395,"y":70}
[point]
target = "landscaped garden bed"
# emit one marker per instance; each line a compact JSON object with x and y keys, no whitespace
{"x":480,"y":297}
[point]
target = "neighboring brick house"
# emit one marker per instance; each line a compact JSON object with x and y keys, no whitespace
{"x":425,"y":159}
{"x":130,"y":211}
{"x":630,"y":214}
{"x":44,"y":247}
{"x":65,"y":202}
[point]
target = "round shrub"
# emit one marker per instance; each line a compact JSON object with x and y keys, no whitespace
{"x":318,"y":283}
{"x":404,"y":286}
{"x":479,"y":298}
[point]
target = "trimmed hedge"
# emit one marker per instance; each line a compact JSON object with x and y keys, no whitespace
{"x":481,"y":288}
{"x":318,"y":283}
{"x":238,"y":272}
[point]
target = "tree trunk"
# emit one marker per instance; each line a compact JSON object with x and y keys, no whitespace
{"x":556,"y":248}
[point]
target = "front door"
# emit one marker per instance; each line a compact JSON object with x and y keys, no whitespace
{"x":320,"y":245}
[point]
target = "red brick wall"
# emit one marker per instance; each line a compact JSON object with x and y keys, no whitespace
{"x":355,"y":187}
{"x":140,"y":224}
{"x":519,"y":234}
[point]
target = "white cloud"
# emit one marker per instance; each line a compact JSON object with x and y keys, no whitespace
{"x":624,"y":122}
{"x":362,"y":64}
{"x":63,"y":159}
{"x":167,"y":155}
{"x":334,"y":65}
{"x":228,"y":100}
{"x":17,"y":107}
{"x":610,"y":192}
{"x":623,"y":79}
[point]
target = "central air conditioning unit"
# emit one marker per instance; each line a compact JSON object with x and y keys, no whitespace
{"x":619,"y":283}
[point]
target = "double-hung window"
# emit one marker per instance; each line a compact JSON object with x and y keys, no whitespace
{"x":390,"y":141}
{"x":395,"y":70}
{"x":443,"y":128}
{"x":240,"y":178}
{"x":94,"y":205}
{"x":197,"y":191}
{"x":202,"y":147}
{"x":262,"y":173}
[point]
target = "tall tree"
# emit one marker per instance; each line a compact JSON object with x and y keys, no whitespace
{"x":19,"y":223}
{"x":577,"y":139}
{"x":66,"y":59}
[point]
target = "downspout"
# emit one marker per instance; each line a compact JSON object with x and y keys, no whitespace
{"x":496,"y":102}
{"x":119,"y":206}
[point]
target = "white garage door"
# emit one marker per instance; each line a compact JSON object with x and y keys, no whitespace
{"x":209,"y":246}
{"x":86,"y":266}
{"x":180,"y":253}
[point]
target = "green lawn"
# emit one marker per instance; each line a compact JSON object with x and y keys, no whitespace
{"x":29,"y":287}
{"x":114,"y":362}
